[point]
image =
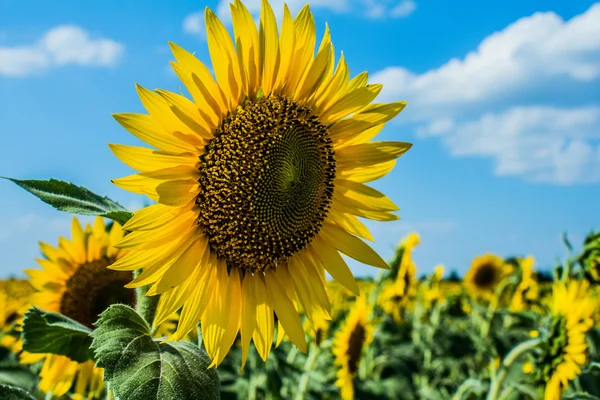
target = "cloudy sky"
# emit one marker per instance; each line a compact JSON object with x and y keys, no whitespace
{"x":504,"y":112}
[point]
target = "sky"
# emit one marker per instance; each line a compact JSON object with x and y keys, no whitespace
{"x":503,"y":111}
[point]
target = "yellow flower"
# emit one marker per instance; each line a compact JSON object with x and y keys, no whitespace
{"x":350,"y":343}
{"x":74,"y":281}
{"x":318,"y":330}
{"x":565,"y":349}
{"x":432,"y":292}
{"x":259,"y":180}
{"x":14,"y":301}
{"x":395,"y":296}
{"x":484,"y":275}
{"x":527,"y":291}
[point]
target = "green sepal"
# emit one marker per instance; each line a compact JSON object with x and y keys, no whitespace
{"x":140,"y":367}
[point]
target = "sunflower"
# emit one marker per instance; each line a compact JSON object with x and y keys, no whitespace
{"x":75,"y":282}
{"x":527,"y":291}
{"x":14,"y":302}
{"x":484,"y":275}
{"x":395,"y":296}
{"x":349,"y":344}
{"x":564,"y":350}
{"x":259,"y":180}
{"x":432,"y":292}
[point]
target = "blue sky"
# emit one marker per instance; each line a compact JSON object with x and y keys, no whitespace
{"x":504,"y":113}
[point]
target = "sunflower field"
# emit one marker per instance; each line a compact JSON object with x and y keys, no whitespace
{"x":233,"y":283}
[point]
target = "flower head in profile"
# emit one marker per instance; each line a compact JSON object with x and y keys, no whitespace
{"x":527,"y":290}
{"x":564,"y":351}
{"x":350,"y":343}
{"x":259,"y":177}
{"x":74,"y":281}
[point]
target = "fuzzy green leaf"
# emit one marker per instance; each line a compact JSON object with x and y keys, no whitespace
{"x":48,"y":332}
{"x":8,"y":392}
{"x":74,"y":199}
{"x":139,"y":367}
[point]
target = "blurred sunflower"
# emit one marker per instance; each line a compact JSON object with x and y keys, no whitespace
{"x":318,"y":330}
{"x":395,"y":295}
{"x":259,"y":181}
{"x":527,"y":290}
{"x":75,"y":282}
{"x":432,"y":292}
{"x":14,"y":301}
{"x":350,"y":343}
{"x":484,"y":275}
{"x":564,"y":350}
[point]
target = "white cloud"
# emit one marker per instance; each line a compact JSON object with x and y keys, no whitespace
{"x":544,"y":144}
{"x":474,"y":104}
{"x":60,"y":46}
{"x":194,"y":23}
{"x":403,"y":9}
{"x":532,"y":51}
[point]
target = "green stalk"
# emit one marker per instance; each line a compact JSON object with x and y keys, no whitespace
{"x":145,"y":305}
{"x":308,"y":366}
{"x":498,"y":378}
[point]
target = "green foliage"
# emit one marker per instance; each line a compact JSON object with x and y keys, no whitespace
{"x":14,"y":374}
{"x":74,"y":199}
{"x":48,"y":332}
{"x":139,"y":367}
{"x":8,"y":392}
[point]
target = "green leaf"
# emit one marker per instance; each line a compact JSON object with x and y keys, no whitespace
{"x":140,"y":367}
{"x":580,"y":396}
{"x":48,"y":332}
{"x":8,"y":392}
{"x":74,"y":199}
{"x":18,"y":376}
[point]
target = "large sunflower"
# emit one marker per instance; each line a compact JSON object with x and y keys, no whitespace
{"x":259,"y":180}
{"x":564,"y":351}
{"x":74,"y":281}
{"x":484,"y":275}
{"x":349,"y":345}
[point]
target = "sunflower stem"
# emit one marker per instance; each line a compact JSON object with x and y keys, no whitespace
{"x":145,"y":305}
{"x":511,"y":357}
{"x":308,"y":366}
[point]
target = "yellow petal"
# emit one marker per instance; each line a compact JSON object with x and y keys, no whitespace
{"x":263,"y":334}
{"x":362,"y":196}
{"x":269,"y":47}
{"x":368,"y":173}
{"x":143,"y":127}
{"x":350,"y":103}
{"x":287,"y":43}
{"x":372,"y":115}
{"x":350,"y":223}
{"x":351,"y":246}
{"x":248,"y":48}
{"x":334,"y":264}
{"x":224,"y":58}
{"x":370,"y":153}
{"x":248,"y":315}
{"x":188,"y":113}
{"x":285,"y":310}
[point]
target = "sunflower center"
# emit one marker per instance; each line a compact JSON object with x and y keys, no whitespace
{"x":266,"y":183}
{"x":355,"y":346}
{"x":92,"y":288}
{"x":486,"y":276}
